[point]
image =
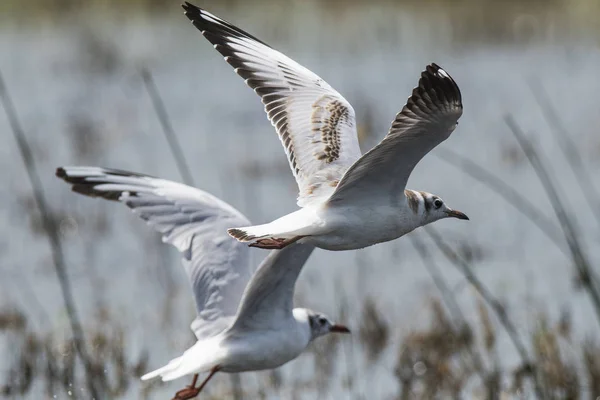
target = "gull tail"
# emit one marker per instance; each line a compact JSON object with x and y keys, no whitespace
{"x":277,"y":234}
{"x":201,"y":357}
{"x":251,"y":235}
{"x":167,"y":369}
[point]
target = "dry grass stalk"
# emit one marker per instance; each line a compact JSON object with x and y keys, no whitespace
{"x":558,"y":376}
{"x":498,"y":309}
{"x":167,"y":127}
{"x":568,"y":147}
{"x":449,"y":299}
{"x":505,"y":191}
{"x":52,"y":231}
{"x":429,"y":364}
{"x":55,"y":363}
{"x":591,"y":361}
{"x":12,"y":320}
{"x":374,"y":331}
{"x":580,"y":259}
{"x":488,"y":331}
{"x":324,"y":353}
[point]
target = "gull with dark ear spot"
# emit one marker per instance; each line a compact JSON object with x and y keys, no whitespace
{"x":246,"y":320}
{"x":348,"y":200}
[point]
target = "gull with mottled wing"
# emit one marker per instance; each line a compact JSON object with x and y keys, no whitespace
{"x":245,"y":318}
{"x":348,"y":200}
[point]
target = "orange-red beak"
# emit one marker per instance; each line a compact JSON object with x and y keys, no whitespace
{"x":339,"y":329}
{"x":457,"y":214}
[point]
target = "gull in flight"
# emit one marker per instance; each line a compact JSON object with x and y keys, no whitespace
{"x":348,"y":200}
{"x":245,"y":319}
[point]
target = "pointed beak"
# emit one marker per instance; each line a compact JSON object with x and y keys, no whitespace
{"x":339,"y":329}
{"x":457,"y":214}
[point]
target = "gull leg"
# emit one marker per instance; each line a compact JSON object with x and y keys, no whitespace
{"x":192,"y":391}
{"x":274,"y":243}
{"x":186,"y":392}
{"x":212,"y":372}
{"x":269,"y":244}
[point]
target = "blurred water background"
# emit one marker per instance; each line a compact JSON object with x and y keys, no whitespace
{"x":72,"y":69}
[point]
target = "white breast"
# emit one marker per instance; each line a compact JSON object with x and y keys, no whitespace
{"x":354,"y":227}
{"x":254,"y":351}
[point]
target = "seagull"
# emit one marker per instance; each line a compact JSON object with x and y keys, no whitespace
{"x":348,"y":200}
{"x":245,"y":319}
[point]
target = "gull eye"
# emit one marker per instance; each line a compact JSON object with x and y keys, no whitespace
{"x":322,"y":320}
{"x":437,"y":203}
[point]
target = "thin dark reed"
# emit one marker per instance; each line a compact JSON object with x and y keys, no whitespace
{"x":494,"y":304}
{"x":184,"y":171}
{"x":507,"y":192}
{"x":449,"y":300}
{"x":571,"y":235}
{"x":348,"y":347}
{"x":236,"y":386}
{"x":51,"y":229}
{"x":165,"y":122}
{"x":568,"y":147}
{"x":510,"y":195}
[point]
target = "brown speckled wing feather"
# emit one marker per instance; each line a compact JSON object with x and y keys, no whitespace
{"x":315,"y":123}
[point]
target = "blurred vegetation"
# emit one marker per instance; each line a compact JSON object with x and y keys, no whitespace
{"x":481,"y":20}
{"x":450,"y":358}
{"x":46,"y":358}
{"x":431,"y":363}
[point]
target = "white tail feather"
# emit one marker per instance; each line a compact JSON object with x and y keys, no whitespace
{"x":172,"y":365}
{"x":252,"y":233}
{"x":201,"y":357}
{"x":284,"y":230}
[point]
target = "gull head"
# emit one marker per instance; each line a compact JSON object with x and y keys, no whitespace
{"x":321,"y":325}
{"x":432,"y":207}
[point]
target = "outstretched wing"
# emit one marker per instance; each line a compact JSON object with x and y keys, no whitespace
{"x":428,"y":118}
{"x":193,"y":221}
{"x":315,"y":123}
{"x":269,"y":297}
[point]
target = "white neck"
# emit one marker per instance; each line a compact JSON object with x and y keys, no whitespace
{"x":302,"y":322}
